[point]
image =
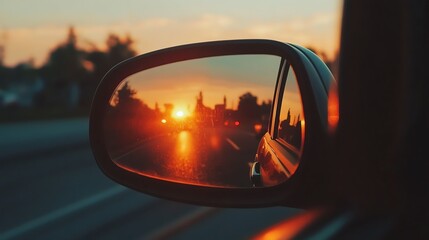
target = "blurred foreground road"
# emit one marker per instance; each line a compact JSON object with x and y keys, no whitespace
{"x":51,"y":188}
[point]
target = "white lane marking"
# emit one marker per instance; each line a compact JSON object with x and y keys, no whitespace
{"x":235,"y":146}
{"x":181,"y":223}
{"x":62,"y":212}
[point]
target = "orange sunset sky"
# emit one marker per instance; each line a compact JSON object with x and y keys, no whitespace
{"x":216,"y":77}
{"x":30,"y":29}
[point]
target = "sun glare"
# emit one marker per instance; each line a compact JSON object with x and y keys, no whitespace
{"x":179,"y":114}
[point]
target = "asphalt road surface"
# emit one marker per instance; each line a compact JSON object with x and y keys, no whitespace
{"x":51,"y":188}
{"x":208,"y":156}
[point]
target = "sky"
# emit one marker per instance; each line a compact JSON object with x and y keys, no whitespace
{"x":216,"y":77}
{"x":30,"y":29}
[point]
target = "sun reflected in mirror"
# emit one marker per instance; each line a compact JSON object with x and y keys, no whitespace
{"x":179,"y":114}
{"x":193,"y":121}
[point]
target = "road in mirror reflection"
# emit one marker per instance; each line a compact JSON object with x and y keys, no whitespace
{"x":201,"y":156}
{"x":197,"y":121}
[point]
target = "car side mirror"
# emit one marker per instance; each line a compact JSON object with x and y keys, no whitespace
{"x":207,"y":123}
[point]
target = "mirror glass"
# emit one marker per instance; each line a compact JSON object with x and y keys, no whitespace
{"x":291,"y":117}
{"x":196,"y":122}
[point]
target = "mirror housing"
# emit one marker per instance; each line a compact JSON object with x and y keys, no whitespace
{"x":303,"y":188}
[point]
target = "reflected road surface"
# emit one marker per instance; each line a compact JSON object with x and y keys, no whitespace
{"x":51,"y":188}
{"x":208,"y":156}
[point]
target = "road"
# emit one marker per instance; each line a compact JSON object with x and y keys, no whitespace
{"x":51,"y":188}
{"x":208,"y":156}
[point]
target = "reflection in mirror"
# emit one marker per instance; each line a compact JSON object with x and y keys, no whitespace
{"x":197,"y":121}
{"x":291,"y":113}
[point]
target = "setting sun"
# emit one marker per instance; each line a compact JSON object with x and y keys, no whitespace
{"x":179,"y":114}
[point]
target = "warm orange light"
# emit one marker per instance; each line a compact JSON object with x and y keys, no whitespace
{"x":257,"y":127}
{"x":163,"y":121}
{"x":183,"y":144}
{"x":215,"y":142}
{"x":333,"y":108}
{"x":291,"y":227}
{"x":303,"y":126}
{"x":178,"y":114}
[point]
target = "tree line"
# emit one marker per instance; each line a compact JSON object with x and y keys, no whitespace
{"x":70,"y":75}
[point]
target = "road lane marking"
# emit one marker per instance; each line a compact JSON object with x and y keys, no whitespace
{"x":182,"y":223}
{"x":62,"y":212}
{"x":235,"y":146}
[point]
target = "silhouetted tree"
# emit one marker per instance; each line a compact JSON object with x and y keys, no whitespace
{"x":128,"y":106}
{"x":5,"y":76}
{"x":119,"y":49}
{"x":266,"y":108}
{"x":64,"y":71}
{"x":129,"y":119}
{"x":125,"y":97}
{"x":71,"y":74}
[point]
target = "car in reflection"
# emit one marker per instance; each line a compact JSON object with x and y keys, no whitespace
{"x":232,"y":123}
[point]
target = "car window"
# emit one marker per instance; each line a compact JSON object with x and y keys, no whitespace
{"x":291,"y":115}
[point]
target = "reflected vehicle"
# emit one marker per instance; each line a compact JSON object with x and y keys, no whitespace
{"x":231,"y":123}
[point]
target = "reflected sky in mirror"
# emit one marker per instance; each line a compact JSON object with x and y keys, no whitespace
{"x":193,"y":121}
{"x":228,"y":76}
